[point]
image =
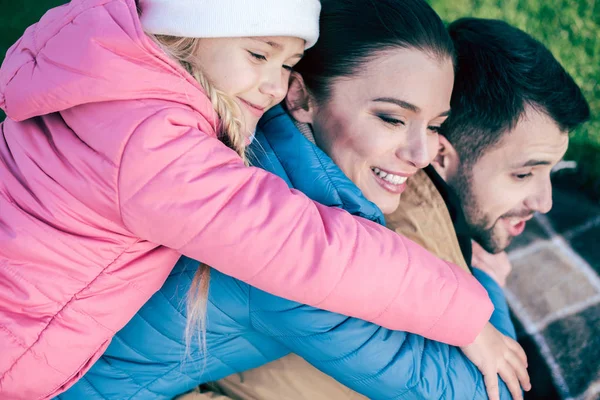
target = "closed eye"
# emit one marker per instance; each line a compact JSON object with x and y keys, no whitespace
{"x":390,"y":120}
{"x":435,"y":129}
{"x":523,"y":176}
{"x":258,"y":56}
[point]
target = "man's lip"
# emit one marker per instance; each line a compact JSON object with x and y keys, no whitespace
{"x":516,"y":226}
{"x":517,"y":229}
{"x":519,"y":219}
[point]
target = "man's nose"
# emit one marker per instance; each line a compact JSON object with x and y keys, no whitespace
{"x":541,"y":200}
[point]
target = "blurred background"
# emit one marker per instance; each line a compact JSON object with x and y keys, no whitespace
{"x":554,"y":290}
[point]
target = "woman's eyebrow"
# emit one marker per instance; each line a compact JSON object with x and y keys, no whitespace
{"x":406,"y":105}
{"x":401,"y":103}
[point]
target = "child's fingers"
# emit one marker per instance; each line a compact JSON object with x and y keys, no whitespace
{"x":516,"y":347}
{"x":491,"y":385}
{"x":520,"y":370}
{"x":510,"y":378}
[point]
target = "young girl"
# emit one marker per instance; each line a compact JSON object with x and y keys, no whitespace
{"x":112,"y":165}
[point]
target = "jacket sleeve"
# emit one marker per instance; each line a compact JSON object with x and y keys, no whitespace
{"x":501,"y":316}
{"x":184,"y":189}
{"x":374,"y":361}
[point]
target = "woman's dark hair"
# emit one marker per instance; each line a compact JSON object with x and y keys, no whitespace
{"x":352,"y":32}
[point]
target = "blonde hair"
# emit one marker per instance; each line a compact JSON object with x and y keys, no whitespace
{"x":184,"y":51}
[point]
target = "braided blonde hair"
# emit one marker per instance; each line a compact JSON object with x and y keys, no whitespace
{"x":184,"y":51}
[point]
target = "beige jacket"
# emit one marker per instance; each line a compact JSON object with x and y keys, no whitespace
{"x":423,"y":217}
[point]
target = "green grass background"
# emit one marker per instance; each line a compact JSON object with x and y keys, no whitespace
{"x":570,"y":28}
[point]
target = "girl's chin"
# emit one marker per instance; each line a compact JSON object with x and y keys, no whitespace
{"x":249,"y":139}
{"x":249,"y":123}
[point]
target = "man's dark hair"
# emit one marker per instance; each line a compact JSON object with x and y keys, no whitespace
{"x":353,"y":32}
{"x":500,"y":71}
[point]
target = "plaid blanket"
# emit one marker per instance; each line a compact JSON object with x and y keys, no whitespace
{"x":554,"y":294}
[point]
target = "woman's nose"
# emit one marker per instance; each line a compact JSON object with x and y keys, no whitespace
{"x":418,"y":147}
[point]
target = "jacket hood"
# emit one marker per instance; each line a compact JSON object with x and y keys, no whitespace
{"x":90,"y":51}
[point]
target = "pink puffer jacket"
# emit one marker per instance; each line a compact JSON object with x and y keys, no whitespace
{"x":110,"y":170}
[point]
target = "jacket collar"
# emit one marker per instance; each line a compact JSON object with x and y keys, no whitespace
{"x":279,"y":147}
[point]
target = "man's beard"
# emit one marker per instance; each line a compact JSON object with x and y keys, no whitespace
{"x":491,"y":240}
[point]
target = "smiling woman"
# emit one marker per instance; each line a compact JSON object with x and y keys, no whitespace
{"x":380,"y":124}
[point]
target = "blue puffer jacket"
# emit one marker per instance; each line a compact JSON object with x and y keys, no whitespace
{"x":247,"y":327}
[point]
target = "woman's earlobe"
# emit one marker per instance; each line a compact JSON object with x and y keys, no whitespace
{"x":298,"y":101}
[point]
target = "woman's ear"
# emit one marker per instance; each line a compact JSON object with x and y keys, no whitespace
{"x":447,"y":160}
{"x":298,"y":101}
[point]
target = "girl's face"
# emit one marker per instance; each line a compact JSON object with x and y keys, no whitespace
{"x":253,"y":71}
{"x":380,"y":126}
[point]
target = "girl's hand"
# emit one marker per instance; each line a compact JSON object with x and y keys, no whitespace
{"x":495,"y":354}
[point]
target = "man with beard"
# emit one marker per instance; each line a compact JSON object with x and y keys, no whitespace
{"x":513,"y":106}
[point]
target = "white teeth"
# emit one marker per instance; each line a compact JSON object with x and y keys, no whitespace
{"x":391,"y":178}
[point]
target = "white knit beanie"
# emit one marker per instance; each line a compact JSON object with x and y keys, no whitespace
{"x":232,"y":18}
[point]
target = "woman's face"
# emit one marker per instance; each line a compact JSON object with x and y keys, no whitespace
{"x":381,"y":125}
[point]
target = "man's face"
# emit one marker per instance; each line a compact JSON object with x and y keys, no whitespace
{"x":511,"y":181}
